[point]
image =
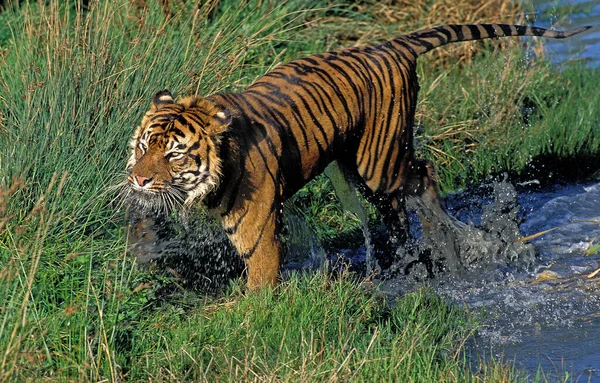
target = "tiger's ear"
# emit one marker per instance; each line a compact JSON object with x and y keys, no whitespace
{"x":221,"y":116}
{"x":221,"y":120}
{"x":162,"y":98}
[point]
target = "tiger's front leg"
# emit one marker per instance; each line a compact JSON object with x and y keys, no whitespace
{"x":257,"y":241}
{"x":263,"y":266}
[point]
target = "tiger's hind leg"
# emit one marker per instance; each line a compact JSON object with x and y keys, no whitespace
{"x":439,"y":229}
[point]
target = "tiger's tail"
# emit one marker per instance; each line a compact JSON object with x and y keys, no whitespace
{"x":427,"y":39}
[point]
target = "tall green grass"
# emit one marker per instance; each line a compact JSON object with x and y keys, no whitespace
{"x":74,"y":85}
{"x":510,"y":113}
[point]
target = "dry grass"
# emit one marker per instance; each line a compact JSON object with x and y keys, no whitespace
{"x":383,"y":20}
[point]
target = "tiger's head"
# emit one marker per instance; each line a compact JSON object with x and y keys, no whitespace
{"x":174,"y":152}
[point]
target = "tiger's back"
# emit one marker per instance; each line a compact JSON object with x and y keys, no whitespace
{"x":351,"y":104}
{"x":340,"y":105}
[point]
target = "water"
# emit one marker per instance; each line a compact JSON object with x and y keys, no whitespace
{"x":196,"y":253}
{"x":543,"y":314}
{"x":584,"y":46}
{"x":550,"y":318}
{"x":566,"y":336}
{"x":549,"y":315}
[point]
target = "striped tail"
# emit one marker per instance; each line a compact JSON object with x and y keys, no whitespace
{"x":428,"y":39}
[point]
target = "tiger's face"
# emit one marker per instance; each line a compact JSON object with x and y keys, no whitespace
{"x":174,"y":152}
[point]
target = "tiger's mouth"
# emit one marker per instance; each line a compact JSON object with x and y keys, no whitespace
{"x":169,"y":197}
{"x":155,"y":201}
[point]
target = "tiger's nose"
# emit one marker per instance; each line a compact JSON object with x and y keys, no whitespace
{"x":142,"y":181}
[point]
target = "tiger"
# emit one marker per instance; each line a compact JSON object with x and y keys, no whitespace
{"x":243,"y":154}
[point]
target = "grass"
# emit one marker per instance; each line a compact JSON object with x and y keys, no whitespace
{"x":510,"y":120}
{"x":74,"y":83}
{"x":312,"y":328}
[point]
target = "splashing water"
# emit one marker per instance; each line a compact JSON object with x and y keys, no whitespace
{"x":348,"y":196}
{"x":198,"y":254}
{"x":303,"y":251}
{"x":549,"y":314}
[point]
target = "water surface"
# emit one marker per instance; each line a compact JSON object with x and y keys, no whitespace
{"x":579,"y":13}
{"x":549,"y":315}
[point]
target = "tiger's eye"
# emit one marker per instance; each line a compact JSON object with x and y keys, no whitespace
{"x":174,"y":156}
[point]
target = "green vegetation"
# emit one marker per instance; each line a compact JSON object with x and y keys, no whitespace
{"x":74,"y":83}
{"x":95,"y":327}
{"x":511,"y":120}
